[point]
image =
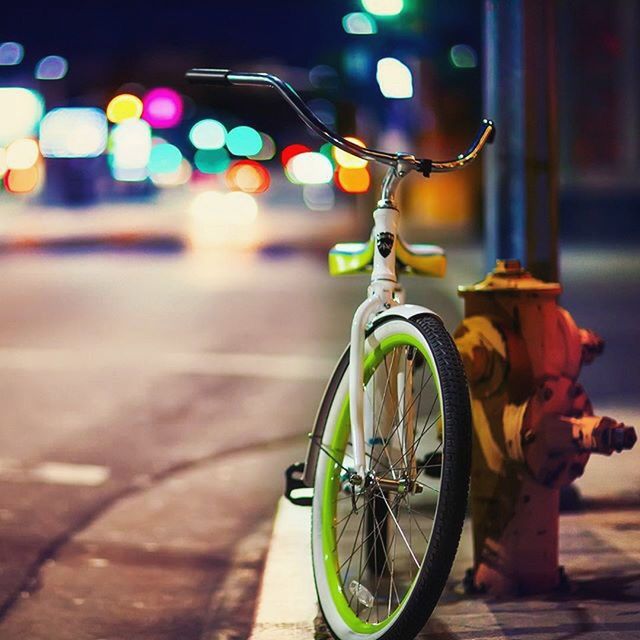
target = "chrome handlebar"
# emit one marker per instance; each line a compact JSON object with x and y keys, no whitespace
{"x":224,"y":77}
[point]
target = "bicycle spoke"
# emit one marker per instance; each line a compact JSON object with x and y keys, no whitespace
{"x":381,"y":535}
{"x":400,"y":422}
{"x":400,"y":530}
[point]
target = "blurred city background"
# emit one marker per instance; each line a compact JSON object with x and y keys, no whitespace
{"x":155,"y":237}
{"x":96,"y":119}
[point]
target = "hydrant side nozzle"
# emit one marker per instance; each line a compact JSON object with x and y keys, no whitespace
{"x":592,"y":345}
{"x":627,"y":438}
{"x":610,"y":436}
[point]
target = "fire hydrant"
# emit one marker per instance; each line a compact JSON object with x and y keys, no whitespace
{"x":533,"y":424}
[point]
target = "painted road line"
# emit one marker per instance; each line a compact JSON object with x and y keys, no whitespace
{"x":260,"y":365}
{"x":79,"y":475}
{"x":287,"y":604}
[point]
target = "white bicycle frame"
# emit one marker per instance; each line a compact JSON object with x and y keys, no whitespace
{"x":383,"y":294}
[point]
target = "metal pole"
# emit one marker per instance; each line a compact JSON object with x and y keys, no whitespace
{"x":521,"y":169}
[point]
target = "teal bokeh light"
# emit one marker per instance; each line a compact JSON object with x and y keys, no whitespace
{"x":463,"y":56}
{"x":164,"y":158}
{"x":244,"y":141}
{"x":359,"y":24}
{"x":211,"y":160}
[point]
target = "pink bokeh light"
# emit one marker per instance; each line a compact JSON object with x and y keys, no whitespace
{"x":162,"y":108}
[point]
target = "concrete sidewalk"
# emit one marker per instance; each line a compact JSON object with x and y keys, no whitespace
{"x":599,"y":551}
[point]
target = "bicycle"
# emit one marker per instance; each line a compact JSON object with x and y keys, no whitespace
{"x":389,"y":454}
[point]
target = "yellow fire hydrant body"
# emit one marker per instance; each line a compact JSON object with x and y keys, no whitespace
{"x":534,"y":427}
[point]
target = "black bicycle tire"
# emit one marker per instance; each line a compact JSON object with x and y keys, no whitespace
{"x":456,"y":467}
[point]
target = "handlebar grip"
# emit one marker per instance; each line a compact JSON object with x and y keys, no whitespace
{"x":216,"y":77}
{"x":492,"y":133}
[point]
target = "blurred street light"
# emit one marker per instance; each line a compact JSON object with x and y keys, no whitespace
{"x":73,"y":132}
{"x":348,"y":160}
{"x":20,"y":112}
{"x":394,"y":78}
{"x":11,"y":53}
{"x":310,"y":168}
{"x":244,"y":141}
{"x":383,"y":7}
{"x":463,"y":56}
{"x":130,"y":150}
{"x":162,"y":108}
{"x":52,"y":68}
{"x":359,"y":23}
{"x":208,"y":134}
{"x":124,"y":107}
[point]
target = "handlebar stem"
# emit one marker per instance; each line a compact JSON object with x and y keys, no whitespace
{"x":401,"y":168}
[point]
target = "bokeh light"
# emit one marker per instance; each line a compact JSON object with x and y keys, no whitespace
{"x":290,"y":151}
{"x":162,"y":108}
{"x":164,"y":158}
{"x":358,"y":63}
{"x":235,"y":208}
{"x":318,"y":197}
{"x":211,"y":160}
{"x":222,"y":220}
{"x":180,"y":176}
{"x":353,"y":180}
{"x":241,"y":208}
{"x":248,"y":176}
{"x":22,"y":154}
{"x":206,"y":203}
{"x":394,"y":78}
{"x":327,"y":150}
{"x":208,"y":134}
{"x":20,"y":112}
{"x":11,"y":53}
{"x":124,"y":107}
{"x":359,"y":23}
{"x":22,"y":180}
{"x":244,"y":141}
{"x":322,"y":76}
{"x":268,"y":150}
{"x":130,"y":150}
{"x":310,"y":168}
{"x":463,"y":56}
{"x":52,"y":68}
{"x":383,"y":7}
{"x":75,"y":132}
{"x":348,"y":160}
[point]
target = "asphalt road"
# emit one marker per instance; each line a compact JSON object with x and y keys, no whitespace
{"x":150,"y":404}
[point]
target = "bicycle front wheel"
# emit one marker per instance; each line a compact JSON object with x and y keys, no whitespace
{"x":383,"y":549}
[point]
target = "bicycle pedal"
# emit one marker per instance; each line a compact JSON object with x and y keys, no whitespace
{"x":293,"y":482}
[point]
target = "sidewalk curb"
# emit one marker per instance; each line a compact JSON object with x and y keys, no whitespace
{"x":287,"y":604}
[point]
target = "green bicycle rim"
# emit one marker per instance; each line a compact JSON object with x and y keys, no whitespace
{"x":332,"y":483}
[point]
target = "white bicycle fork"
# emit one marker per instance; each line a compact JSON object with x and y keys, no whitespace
{"x":381,"y":295}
